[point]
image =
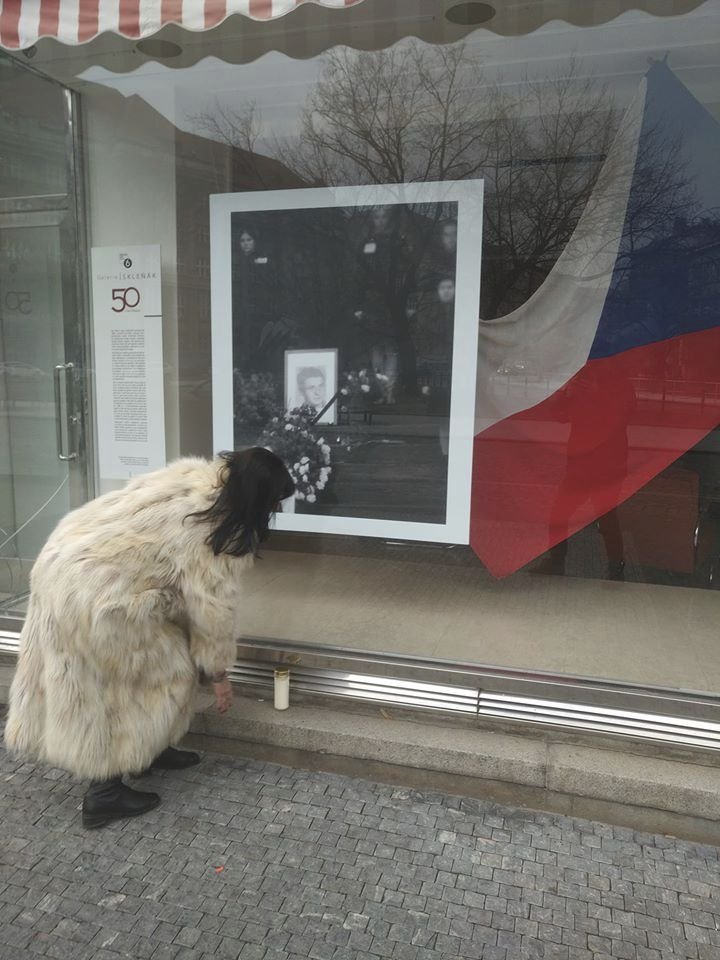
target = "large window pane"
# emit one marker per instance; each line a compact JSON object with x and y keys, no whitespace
{"x":597,"y":473}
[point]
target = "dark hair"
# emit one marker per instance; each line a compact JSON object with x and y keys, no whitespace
{"x":307,"y":373}
{"x":254,"y":482}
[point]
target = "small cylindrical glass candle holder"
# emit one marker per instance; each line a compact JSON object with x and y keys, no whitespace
{"x":282,"y":688}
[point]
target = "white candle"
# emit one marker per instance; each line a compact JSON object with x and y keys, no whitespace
{"x":282,"y":689}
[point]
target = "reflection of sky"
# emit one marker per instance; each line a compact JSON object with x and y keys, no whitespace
{"x":617,"y":52}
{"x":277,"y":84}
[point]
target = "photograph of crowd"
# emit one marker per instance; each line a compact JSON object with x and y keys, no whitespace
{"x":344,"y":322}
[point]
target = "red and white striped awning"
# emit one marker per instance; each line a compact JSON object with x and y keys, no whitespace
{"x":24,"y":22}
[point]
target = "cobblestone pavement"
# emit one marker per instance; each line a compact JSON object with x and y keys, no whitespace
{"x":254,"y":861}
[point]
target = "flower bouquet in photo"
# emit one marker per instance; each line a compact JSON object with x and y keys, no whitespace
{"x":257,"y":398}
{"x":305,"y":449}
{"x":361,"y":390}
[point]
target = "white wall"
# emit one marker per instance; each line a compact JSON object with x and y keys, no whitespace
{"x":130,"y":164}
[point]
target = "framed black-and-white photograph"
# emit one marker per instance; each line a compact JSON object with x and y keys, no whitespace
{"x":344,"y":332}
{"x":311,"y":381}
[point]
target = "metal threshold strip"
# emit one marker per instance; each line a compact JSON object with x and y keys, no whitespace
{"x":474,"y":691}
{"x":673,"y":717}
{"x":473,"y":702}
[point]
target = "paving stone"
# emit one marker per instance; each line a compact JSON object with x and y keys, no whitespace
{"x":252,"y":861}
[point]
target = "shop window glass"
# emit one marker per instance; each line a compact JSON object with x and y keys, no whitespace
{"x":597,"y":499}
{"x":33,"y":138}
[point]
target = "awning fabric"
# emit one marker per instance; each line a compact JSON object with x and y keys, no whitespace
{"x":24,"y":22}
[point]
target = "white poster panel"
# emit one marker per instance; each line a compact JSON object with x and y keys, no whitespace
{"x":127,"y":325}
{"x":375,"y":289}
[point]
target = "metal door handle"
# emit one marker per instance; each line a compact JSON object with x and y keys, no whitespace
{"x":62,"y":407}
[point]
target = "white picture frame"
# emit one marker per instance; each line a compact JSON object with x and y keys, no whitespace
{"x":319,"y":369}
{"x":468,"y":197}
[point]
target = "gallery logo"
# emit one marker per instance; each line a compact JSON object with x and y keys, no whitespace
{"x":127,"y":298}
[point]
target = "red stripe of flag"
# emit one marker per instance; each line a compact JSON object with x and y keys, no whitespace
{"x":544,"y":473}
{"x":215,"y":11}
{"x":10,"y":24}
{"x":130,"y":18}
{"x":89,"y":20}
{"x":49,"y":18}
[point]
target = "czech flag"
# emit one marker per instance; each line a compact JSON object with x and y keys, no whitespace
{"x":611,"y":370}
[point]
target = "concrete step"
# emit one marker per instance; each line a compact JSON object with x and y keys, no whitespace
{"x":635,"y":785}
{"x":643,"y":786}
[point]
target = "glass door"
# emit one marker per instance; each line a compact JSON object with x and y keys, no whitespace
{"x":43,"y":456}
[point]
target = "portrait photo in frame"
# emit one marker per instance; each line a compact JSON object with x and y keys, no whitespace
{"x":311,"y":380}
{"x":363,"y":303}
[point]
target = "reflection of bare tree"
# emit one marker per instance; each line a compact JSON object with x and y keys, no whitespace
{"x":407,"y":114}
{"x":236,"y":128}
{"x":663,"y":193}
{"x":418,"y":113}
{"x":641,"y":191}
{"x":239,"y":130}
{"x":547,"y":148}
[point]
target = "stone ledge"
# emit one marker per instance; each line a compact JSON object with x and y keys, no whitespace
{"x":649,"y":793}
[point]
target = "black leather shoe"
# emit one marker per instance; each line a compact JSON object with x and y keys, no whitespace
{"x":172,"y":759}
{"x":111,"y":800}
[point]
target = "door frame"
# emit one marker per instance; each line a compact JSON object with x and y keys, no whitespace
{"x":68,"y":212}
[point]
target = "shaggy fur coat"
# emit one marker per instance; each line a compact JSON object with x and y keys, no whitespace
{"x":128,"y":605}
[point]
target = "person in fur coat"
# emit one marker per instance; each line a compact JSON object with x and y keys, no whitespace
{"x":135,"y":596}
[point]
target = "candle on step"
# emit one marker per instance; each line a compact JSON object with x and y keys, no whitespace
{"x":282,"y":688}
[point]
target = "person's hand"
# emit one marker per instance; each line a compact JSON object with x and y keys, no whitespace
{"x":223,"y":695}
